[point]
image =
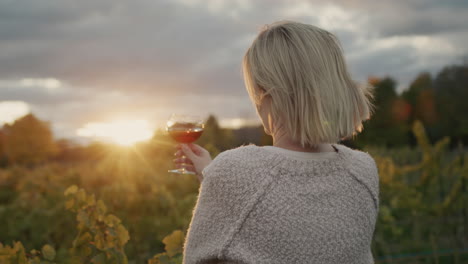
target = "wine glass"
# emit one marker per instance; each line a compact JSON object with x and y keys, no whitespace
{"x":184,"y":129}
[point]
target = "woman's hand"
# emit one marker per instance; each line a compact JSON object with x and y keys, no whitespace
{"x":196,"y":158}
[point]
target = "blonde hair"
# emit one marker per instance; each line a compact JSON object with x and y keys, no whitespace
{"x":302,"y":68}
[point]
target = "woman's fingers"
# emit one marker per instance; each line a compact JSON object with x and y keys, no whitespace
{"x":182,"y":160}
{"x":196,"y":149}
{"x":179,"y":154}
{"x":192,"y":157}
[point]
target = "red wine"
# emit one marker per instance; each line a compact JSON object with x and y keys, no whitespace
{"x":185,"y":132}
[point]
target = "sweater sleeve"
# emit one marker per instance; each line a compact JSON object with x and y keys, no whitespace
{"x":227,"y":194}
{"x":365,"y":171}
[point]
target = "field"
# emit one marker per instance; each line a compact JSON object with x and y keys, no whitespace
{"x":121,"y":206}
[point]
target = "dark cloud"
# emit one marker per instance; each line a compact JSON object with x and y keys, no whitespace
{"x":140,"y":45}
{"x":429,"y":21}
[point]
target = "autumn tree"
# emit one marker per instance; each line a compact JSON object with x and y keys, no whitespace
{"x":2,"y":149}
{"x":420,"y":95}
{"x":387,"y":126}
{"x":28,"y":141}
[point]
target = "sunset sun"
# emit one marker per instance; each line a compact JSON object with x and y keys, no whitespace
{"x":123,"y":132}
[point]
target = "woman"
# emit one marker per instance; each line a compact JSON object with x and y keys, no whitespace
{"x":306,"y":199}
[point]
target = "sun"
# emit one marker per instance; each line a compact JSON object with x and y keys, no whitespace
{"x":122,"y":132}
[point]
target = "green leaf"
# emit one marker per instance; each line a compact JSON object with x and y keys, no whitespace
{"x":177,"y":259}
{"x":161,"y":258}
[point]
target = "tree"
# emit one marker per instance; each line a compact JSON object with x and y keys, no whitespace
{"x":421,"y":101}
{"x":422,"y":82}
{"x":214,"y":137}
{"x":451,"y":91}
{"x":420,"y":95}
{"x":388,"y":125}
{"x":29,"y":141}
{"x":2,"y":149}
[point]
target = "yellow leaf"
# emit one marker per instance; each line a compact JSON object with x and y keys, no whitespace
{"x":71,"y":190}
{"x":101,"y":207}
{"x":20,"y":253}
{"x":69,"y":204}
{"x":91,"y":200}
{"x":48,"y":252}
{"x":111,"y":220}
{"x":174,"y":243}
{"x":123,"y":235}
{"x":81,"y":195}
{"x":83,"y":239}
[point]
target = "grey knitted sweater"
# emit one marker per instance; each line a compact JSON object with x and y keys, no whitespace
{"x":272,"y":205}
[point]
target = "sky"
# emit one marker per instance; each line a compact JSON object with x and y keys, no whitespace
{"x":78,"y":63}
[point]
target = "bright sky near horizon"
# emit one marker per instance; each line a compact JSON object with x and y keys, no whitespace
{"x":82,"y":63}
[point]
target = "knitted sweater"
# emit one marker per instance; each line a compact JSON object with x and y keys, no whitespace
{"x":272,"y":205}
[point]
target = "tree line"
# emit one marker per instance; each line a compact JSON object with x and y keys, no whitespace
{"x":437,"y":101}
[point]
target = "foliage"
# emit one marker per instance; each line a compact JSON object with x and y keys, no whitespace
{"x":101,"y":236}
{"x":132,"y":182}
{"x":387,"y":127}
{"x":420,"y":96}
{"x":16,"y":254}
{"x":450,"y":86}
{"x":214,"y":137}
{"x":424,"y":184}
{"x":438,"y":102}
{"x":423,"y":203}
{"x":174,"y":248}
{"x":28,"y":141}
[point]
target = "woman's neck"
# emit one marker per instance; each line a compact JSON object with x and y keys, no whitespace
{"x":282,"y":140}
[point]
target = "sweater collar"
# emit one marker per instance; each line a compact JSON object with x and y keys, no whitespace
{"x":305,"y":155}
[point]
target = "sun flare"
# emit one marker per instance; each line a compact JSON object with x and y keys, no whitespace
{"x":124,"y":132}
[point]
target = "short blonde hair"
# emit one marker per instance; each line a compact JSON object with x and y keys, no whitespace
{"x":302,"y":68}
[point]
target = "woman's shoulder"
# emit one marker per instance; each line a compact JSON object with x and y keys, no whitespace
{"x":245,"y":158}
{"x":252,"y":157}
{"x":256,"y":153}
{"x":358,"y":159}
{"x":364,"y":169}
{"x":239,"y":152}
{"x":257,"y":156}
{"x":236,"y":156}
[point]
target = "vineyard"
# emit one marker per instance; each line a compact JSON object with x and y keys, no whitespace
{"x":123,"y":207}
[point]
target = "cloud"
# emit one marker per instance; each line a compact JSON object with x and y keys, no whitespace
{"x":124,"y":132}
{"x":12,"y":110}
{"x":88,"y":61}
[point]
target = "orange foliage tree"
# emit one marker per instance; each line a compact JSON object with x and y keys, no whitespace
{"x":28,"y":141}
